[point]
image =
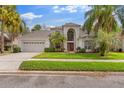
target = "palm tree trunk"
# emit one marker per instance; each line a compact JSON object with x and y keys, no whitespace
{"x":12,"y":39}
{"x":2,"y":38}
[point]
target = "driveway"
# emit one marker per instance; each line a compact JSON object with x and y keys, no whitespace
{"x":61,"y":81}
{"x":11,"y":62}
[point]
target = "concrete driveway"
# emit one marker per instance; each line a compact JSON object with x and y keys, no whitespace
{"x":11,"y":62}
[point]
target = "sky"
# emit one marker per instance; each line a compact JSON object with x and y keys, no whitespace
{"x":52,"y":15}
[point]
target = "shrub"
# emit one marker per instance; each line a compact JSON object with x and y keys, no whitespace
{"x":49,"y":50}
{"x":62,"y":49}
{"x":16,"y":49}
{"x":107,"y":41}
{"x":81,"y":50}
{"x":78,"y":49}
{"x":96,"y":50}
{"x":120,"y":50}
{"x":59,"y":49}
{"x":7,"y":48}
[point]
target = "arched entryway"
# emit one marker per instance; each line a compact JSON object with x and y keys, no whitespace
{"x":70,"y":39}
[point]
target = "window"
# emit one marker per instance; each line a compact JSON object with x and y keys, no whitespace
{"x":88,"y":44}
{"x":70,"y":35}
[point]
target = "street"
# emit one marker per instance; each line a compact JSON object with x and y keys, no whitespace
{"x":61,"y":81}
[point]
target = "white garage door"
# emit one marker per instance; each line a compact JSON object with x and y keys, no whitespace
{"x":33,"y":46}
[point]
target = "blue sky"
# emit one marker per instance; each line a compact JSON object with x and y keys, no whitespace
{"x":52,"y":15}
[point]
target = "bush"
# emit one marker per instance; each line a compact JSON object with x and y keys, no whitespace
{"x":16,"y":49}
{"x":54,"y":49}
{"x":49,"y":50}
{"x":62,"y":49}
{"x":7,"y":48}
{"x":81,"y":50}
{"x":120,"y":50}
{"x":96,"y":50}
{"x":78,"y":49}
{"x":59,"y":49}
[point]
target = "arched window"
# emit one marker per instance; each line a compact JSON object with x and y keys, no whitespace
{"x":70,"y":35}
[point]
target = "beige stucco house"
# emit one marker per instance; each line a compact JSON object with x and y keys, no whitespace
{"x":75,"y":37}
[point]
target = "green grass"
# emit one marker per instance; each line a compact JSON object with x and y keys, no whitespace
{"x":71,"y":66}
{"x":59,"y":55}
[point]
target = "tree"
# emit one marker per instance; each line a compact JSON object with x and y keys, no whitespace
{"x":102,"y":18}
{"x":107,"y":41}
{"x":4,"y":17}
{"x":10,"y":22}
{"x":36,"y":28}
{"x":15,"y":27}
{"x":57,"y":40}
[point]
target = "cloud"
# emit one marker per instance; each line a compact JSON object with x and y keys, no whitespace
{"x":85,"y":8}
{"x":70,"y":8}
{"x":57,"y":11}
{"x":55,"y":7}
{"x":30,"y":16}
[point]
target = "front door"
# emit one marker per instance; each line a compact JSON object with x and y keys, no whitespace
{"x":70,"y":46}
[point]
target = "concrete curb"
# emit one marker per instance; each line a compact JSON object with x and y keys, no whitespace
{"x":61,"y":73}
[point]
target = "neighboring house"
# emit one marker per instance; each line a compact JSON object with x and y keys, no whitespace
{"x":75,"y":37}
{"x":7,"y":41}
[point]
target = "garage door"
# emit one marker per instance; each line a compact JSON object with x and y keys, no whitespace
{"x":33,"y":46}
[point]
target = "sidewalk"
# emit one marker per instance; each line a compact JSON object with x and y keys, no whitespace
{"x":78,"y":60}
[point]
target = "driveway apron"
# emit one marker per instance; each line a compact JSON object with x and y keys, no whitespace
{"x":11,"y":62}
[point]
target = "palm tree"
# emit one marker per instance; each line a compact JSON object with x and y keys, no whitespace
{"x":103,"y":17}
{"x":10,"y":21}
{"x":4,"y":17}
{"x":57,"y":40}
{"x":15,"y":27}
{"x":107,"y":41}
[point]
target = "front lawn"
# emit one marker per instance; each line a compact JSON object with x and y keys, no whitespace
{"x":59,"y":55}
{"x":71,"y":66}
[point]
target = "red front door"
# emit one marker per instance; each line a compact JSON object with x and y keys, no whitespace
{"x":70,"y":46}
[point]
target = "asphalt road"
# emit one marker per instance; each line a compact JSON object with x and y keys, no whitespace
{"x":60,"y":81}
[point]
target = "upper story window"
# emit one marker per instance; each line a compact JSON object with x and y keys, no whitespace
{"x":70,"y":35}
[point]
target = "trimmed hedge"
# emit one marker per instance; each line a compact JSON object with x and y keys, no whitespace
{"x":49,"y":50}
{"x":16,"y":49}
